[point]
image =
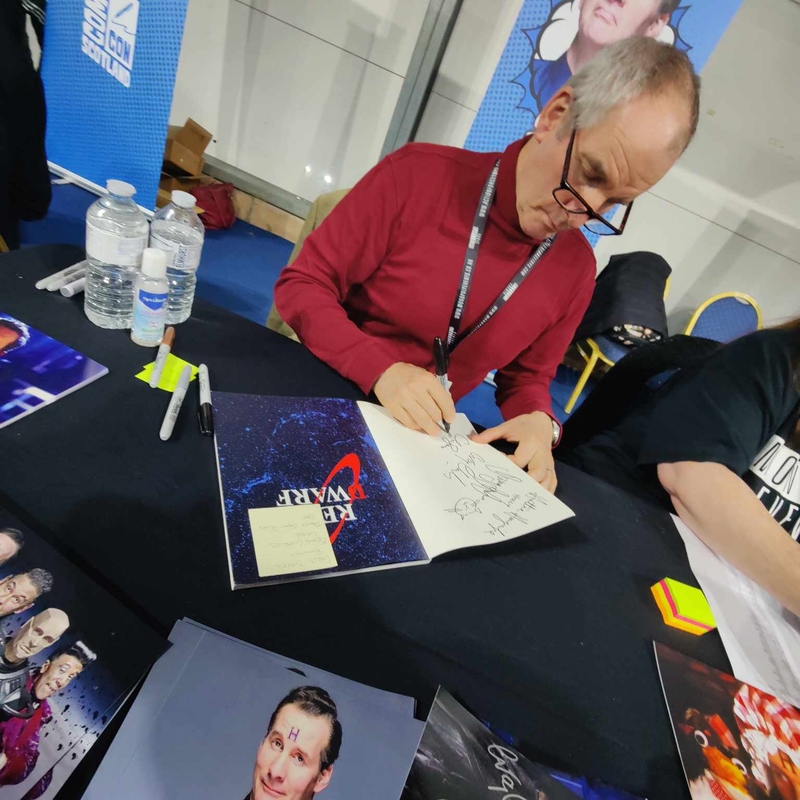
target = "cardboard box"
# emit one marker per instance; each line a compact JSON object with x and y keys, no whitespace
{"x":187,"y":183}
{"x":183,"y":154}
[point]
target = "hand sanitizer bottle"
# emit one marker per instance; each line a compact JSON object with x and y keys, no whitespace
{"x":150,"y":296}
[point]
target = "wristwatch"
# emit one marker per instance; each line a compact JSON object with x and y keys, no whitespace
{"x":556,"y":432}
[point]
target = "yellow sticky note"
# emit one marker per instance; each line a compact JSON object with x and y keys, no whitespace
{"x":290,"y":539}
{"x":170,"y":374}
{"x":682,"y":606}
{"x":691,"y":602}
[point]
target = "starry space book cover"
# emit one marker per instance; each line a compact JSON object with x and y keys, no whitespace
{"x":36,"y":370}
{"x":316,"y":487}
{"x":70,"y":654}
{"x":308,"y":453}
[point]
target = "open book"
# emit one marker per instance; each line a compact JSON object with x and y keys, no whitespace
{"x":315,"y":487}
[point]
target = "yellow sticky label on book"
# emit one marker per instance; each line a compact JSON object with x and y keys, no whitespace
{"x":290,"y":539}
{"x":170,"y":374}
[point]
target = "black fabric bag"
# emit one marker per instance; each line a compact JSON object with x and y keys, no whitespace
{"x":631,"y":383}
{"x":628,"y":301}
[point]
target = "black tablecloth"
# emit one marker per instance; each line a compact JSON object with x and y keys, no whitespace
{"x":548,"y":637}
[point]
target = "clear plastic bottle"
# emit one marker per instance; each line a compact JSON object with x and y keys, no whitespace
{"x":116,"y":236}
{"x":178,"y":230}
{"x":150,"y":294}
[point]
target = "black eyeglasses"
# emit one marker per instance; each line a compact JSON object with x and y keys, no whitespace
{"x":573,"y":203}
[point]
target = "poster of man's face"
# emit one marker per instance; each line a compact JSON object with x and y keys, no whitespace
{"x":237,"y":723}
{"x":603,"y":22}
{"x":11,"y":542}
{"x":295,"y":760}
{"x":553,"y":39}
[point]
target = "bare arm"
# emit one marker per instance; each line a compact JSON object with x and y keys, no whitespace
{"x":725,"y":514}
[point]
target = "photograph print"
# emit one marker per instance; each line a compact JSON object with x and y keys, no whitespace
{"x":69,"y":655}
{"x":237,"y":725}
{"x":735,"y":741}
{"x":36,"y":370}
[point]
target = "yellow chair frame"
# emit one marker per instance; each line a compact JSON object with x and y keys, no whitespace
{"x":745,"y":298}
{"x":591,"y":358}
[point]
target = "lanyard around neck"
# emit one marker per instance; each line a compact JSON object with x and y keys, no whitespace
{"x":470,"y":259}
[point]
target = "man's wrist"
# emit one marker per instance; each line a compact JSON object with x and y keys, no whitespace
{"x":551,"y":430}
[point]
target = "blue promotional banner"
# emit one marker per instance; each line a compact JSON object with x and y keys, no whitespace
{"x":551,"y":38}
{"x":108,"y":68}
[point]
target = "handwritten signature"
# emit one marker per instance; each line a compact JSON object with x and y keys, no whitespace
{"x":500,"y":522}
{"x":488,"y":482}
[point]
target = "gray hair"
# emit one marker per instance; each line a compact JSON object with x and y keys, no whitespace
{"x":668,"y":6}
{"x":627,"y":70}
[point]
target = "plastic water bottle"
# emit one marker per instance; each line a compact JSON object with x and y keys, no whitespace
{"x":116,"y":236}
{"x":178,"y":230}
{"x":150,"y":294}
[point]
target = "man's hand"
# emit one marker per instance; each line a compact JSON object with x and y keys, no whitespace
{"x":534,"y":434}
{"x":415,"y":397}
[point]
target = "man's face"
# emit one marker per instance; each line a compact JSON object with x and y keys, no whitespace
{"x":289,"y":759}
{"x":613,"y":162}
{"x":36,"y":634}
{"x":8,"y":547}
{"x":55,"y":675}
{"x":603,"y":22}
{"x":16,"y":594}
{"x":8,"y":337}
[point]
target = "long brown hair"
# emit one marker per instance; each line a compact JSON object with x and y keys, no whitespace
{"x":793,"y":326}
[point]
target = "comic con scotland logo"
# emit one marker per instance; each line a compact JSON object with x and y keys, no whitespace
{"x":109,"y":35}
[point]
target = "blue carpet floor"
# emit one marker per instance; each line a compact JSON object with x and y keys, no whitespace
{"x":238,"y":272}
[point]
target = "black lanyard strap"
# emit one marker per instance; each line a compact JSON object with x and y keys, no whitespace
{"x":470,"y":259}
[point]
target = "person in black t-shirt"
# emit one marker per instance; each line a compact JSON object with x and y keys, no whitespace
{"x":718,"y":444}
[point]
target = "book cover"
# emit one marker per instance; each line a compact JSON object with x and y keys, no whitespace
{"x":312,"y":456}
{"x":231,"y":722}
{"x":458,"y":756}
{"x":69,"y":655}
{"x":736,"y":742}
{"x":36,"y":370}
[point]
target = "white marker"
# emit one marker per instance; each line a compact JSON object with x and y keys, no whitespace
{"x":64,"y":273}
{"x":175,"y":403}
{"x":163,"y":351}
{"x":76,"y":287}
{"x":78,"y":271}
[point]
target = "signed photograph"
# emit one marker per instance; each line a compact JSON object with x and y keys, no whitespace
{"x":459,"y":757}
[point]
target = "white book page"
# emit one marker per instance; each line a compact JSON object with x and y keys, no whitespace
{"x":458,"y":493}
{"x":761,"y":637}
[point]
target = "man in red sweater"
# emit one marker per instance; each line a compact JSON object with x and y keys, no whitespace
{"x":386,"y":272}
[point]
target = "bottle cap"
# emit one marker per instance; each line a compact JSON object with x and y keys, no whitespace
{"x":120,"y":188}
{"x":154,"y":262}
{"x":183,"y":199}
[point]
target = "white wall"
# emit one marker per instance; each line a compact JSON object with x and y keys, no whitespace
{"x":727,"y":217}
{"x":296,"y":90}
